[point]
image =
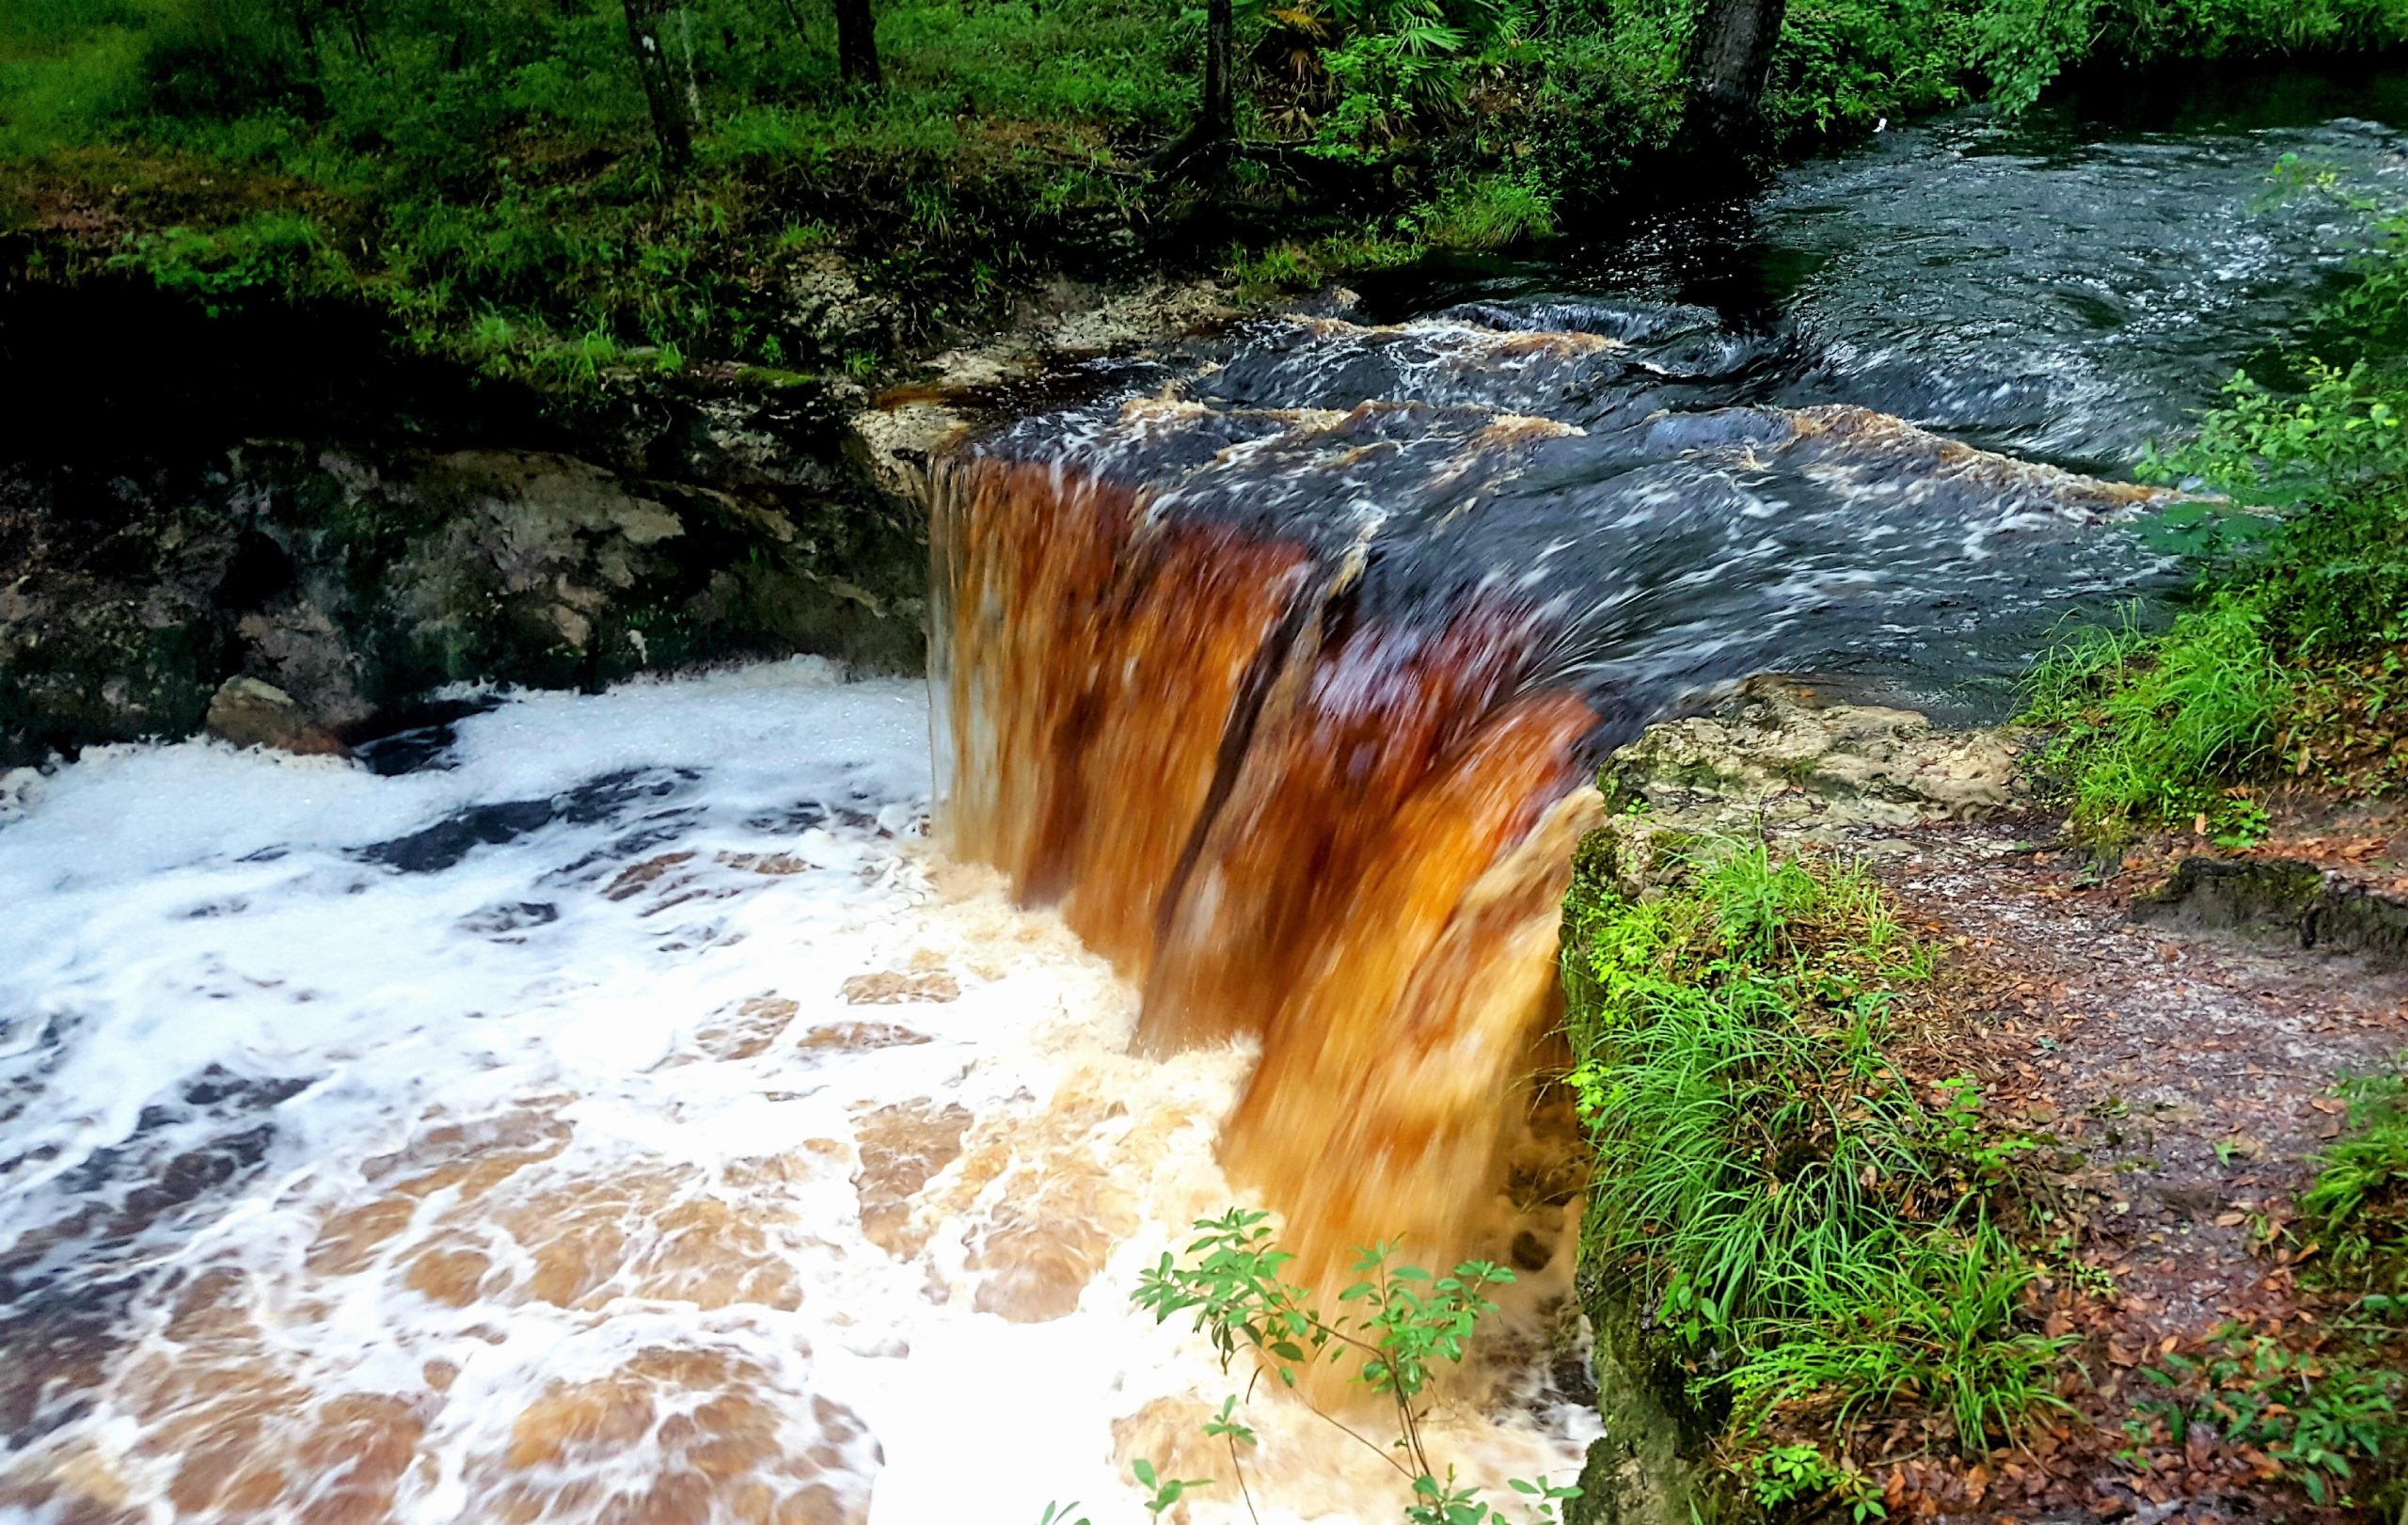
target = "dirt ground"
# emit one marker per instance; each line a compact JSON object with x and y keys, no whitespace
{"x":2181,"y":1073}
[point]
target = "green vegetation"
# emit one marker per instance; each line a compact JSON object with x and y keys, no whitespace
{"x":2329,"y":1419}
{"x":2291,"y":667}
{"x":1809,"y":1232}
{"x":483,"y":170}
{"x":1392,"y":1331}
{"x":2357,"y":1210}
{"x":2330,"y":1413}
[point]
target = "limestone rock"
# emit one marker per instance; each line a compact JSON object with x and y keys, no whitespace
{"x":247,"y":712}
{"x":534,"y":544}
{"x":825,"y":303}
{"x":1774,"y":755}
{"x":311,"y":659}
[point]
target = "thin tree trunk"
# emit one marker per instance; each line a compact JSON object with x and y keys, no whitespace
{"x":669,"y":122}
{"x":693,"y":84}
{"x":1200,"y":150}
{"x":306,"y":24}
{"x":1220,"y":31}
{"x":1730,"y":62}
{"x":856,"y":43}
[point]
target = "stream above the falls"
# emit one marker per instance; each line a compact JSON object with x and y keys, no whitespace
{"x":686,"y":1103}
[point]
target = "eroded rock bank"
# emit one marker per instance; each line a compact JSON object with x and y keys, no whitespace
{"x":294,"y":535}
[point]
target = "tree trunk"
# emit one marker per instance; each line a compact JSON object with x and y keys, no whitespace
{"x":306,"y":24}
{"x":1199,"y":151}
{"x":856,"y":43}
{"x":669,"y":122}
{"x":1220,"y":32}
{"x":1729,"y":61}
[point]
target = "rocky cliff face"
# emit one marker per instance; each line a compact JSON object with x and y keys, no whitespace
{"x":151,"y":555}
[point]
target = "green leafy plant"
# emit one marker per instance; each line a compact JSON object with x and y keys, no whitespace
{"x":1794,"y":1474}
{"x":2330,"y":1419}
{"x":1162,"y":1492}
{"x":1391,"y":1331}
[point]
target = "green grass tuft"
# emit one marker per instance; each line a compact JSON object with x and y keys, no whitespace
{"x":2358,"y":1206}
{"x":1489,"y":212}
{"x":1768,"y":1183}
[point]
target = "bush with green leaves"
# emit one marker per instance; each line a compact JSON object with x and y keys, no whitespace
{"x":1391,"y":1332}
{"x":1811,"y":1232}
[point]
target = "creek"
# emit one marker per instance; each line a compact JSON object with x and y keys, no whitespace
{"x":706,"y":1100}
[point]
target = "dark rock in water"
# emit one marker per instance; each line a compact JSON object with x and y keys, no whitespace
{"x":2286,"y":896}
{"x":433,"y":848}
{"x":245,"y":712}
{"x":445,"y":843}
{"x":415,"y":737}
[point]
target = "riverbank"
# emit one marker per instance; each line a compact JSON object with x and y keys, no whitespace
{"x":317,"y":510}
{"x":485,"y":181}
{"x":2143,"y":1082}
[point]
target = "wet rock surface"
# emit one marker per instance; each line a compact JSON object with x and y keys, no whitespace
{"x":1776,"y":755}
{"x":2285,"y":899}
{"x":245,"y":712}
{"x":353,"y":530}
{"x":351,"y":581}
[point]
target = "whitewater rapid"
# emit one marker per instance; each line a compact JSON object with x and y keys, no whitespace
{"x":625,"y":1114}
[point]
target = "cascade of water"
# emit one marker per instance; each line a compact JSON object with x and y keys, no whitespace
{"x":1288,"y":708}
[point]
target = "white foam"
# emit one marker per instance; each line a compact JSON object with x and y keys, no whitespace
{"x":188,"y":914}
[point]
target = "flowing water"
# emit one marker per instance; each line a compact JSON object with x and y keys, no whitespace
{"x":686,"y":1103}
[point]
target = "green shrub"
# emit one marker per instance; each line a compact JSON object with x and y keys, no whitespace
{"x":1767,"y":1180}
{"x":1488,"y":211}
{"x":1390,"y":1333}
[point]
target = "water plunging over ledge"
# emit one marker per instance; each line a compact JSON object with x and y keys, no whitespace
{"x":1289,"y":708}
{"x":620,"y":1113}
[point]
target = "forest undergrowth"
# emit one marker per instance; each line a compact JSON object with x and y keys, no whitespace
{"x":482,"y":170}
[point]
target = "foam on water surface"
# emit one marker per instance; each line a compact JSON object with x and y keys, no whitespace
{"x":627,"y":1117}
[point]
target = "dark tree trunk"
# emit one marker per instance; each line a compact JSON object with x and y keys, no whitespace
{"x":1200,"y":150}
{"x":669,"y":122}
{"x":856,"y":43}
{"x":306,"y":24}
{"x":1220,"y":34}
{"x":1729,"y":60}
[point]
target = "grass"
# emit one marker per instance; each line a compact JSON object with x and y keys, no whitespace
{"x":2323,"y":1406}
{"x":2155,"y":728}
{"x":1814,"y":1233}
{"x":2357,"y":1207}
